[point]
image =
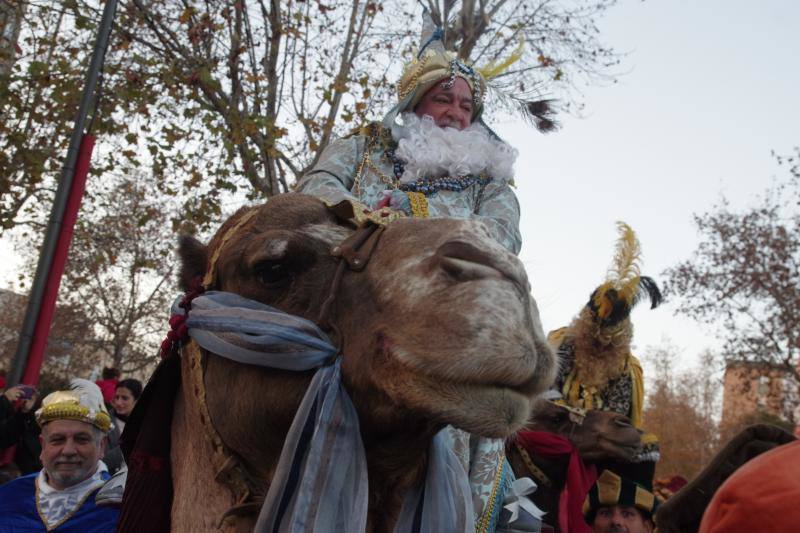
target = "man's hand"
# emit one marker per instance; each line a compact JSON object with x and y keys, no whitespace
{"x":27,"y":405}
{"x":14,"y":393}
{"x":396,"y":200}
{"x":18,"y":394}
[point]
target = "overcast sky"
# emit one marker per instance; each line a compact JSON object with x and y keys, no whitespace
{"x":710,"y":89}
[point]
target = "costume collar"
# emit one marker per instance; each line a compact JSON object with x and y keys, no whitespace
{"x":56,"y":506}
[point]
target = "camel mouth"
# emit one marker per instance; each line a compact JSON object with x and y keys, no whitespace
{"x":522,"y":378}
{"x":627,"y":448}
{"x":486,"y":410}
{"x":519,"y":374}
{"x":492,"y":406}
{"x":527,"y":387}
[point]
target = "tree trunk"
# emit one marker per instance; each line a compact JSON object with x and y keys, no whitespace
{"x":11,"y":13}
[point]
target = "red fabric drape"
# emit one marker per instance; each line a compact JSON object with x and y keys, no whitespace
{"x":42,"y":329}
{"x":580,"y":477}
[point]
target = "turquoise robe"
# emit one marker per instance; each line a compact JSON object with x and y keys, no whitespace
{"x":332,"y":179}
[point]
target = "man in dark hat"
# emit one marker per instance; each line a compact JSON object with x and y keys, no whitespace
{"x":617,"y":504}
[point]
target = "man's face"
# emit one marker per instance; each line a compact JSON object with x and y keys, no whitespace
{"x":448,"y":107}
{"x":620,"y":519}
{"x":70,"y":452}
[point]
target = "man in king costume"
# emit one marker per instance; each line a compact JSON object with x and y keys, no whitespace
{"x":433,"y":156}
{"x":598,"y":370}
{"x":69,"y":493}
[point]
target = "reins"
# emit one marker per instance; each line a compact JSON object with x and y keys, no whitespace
{"x":537,"y":473}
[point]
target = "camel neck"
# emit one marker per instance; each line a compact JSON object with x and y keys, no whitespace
{"x":395,"y":465}
{"x":555,"y":468}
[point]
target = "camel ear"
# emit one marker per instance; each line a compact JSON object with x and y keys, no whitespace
{"x":194,"y":260}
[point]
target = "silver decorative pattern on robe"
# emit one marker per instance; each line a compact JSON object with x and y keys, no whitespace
{"x":57,"y":505}
{"x":332,"y":180}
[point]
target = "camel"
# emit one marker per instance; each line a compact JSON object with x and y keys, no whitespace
{"x":438,"y":328}
{"x":600,"y":437}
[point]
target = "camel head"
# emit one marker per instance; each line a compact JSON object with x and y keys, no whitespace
{"x":598,"y":435}
{"x":439,"y":328}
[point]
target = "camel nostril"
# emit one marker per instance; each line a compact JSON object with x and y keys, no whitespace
{"x":465,"y":262}
{"x":462,"y":270}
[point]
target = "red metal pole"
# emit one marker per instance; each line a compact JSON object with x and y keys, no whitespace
{"x":42,"y":330}
{"x":34,"y":315}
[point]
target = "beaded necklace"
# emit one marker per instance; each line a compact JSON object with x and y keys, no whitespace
{"x":417,"y":191}
{"x":429,"y":186}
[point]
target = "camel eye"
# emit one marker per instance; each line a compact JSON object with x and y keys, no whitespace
{"x":273,"y":274}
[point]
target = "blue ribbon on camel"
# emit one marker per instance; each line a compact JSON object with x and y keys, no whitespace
{"x":320,"y":483}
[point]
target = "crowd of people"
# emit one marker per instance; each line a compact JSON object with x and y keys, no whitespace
{"x":21,"y":432}
{"x":61,"y":467}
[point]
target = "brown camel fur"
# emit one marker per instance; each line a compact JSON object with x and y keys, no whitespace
{"x":683,"y":512}
{"x":439,"y":328}
{"x":600,"y":437}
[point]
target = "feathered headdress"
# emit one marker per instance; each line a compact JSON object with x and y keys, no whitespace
{"x":624,"y":287}
{"x":433,"y":64}
{"x":596,"y":345}
{"x":599,"y":338}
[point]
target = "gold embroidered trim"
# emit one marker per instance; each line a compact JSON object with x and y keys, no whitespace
{"x":71,"y":411}
{"x":360,"y":214}
{"x":371,"y":137}
{"x":532,"y":468}
{"x":68,"y":515}
{"x":419,"y":204}
{"x":407,"y":86}
{"x":486,"y":518}
{"x":228,"y":468}
{"x":384,"y":178}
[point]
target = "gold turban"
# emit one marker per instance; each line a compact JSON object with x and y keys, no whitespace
{"x":83,"y":402}
{"x":433,"y":65}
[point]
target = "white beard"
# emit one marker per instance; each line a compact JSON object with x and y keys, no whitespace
{"x":431,"y":151}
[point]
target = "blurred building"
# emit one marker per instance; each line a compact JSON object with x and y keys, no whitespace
{"x":758,"y":392}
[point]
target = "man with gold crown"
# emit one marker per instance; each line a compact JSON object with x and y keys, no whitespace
{"x":68,"y":493}
{"x":433,"y":156}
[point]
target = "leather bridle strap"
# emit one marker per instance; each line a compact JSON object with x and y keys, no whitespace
{"x":353,"y":253}
{"x":533,"y":470}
